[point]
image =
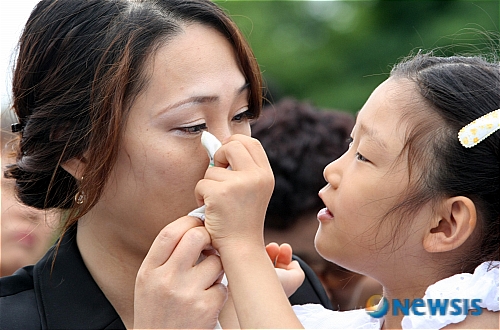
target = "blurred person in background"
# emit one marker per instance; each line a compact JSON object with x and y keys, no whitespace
{"x":26,"y":233}
{"x":300,"y":140}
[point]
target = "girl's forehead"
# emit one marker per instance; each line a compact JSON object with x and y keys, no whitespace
{"x":387,"y":104}
{"x":387,"y":116}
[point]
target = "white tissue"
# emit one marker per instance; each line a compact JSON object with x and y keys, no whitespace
{"x":211,"y":144}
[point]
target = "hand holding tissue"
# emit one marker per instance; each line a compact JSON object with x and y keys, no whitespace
{"x":211,"y":144}
{"x":235,"y":201}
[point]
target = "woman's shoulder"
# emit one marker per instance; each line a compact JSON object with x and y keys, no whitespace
{"x":20,"y":281}
{"x":18,"y":304}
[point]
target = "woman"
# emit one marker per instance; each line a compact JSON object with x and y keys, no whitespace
{"x":112,"y":97}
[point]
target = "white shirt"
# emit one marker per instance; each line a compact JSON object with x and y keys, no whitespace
{"x":483,"y":284}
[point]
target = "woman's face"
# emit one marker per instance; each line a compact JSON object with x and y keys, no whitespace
{"x":194,"y":84}
{"x":366,"y":182}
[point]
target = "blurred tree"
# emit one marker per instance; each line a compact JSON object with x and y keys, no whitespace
{"x":334,"y":53}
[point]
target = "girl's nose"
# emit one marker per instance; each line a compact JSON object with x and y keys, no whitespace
{"x":333,"y":173}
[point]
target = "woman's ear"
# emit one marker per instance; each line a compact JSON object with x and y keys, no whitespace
{"x":75,"y":166}
{"x":454,"y":223}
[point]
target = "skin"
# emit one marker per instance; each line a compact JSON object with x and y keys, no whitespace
{"x":246,"y":191}
{"x":349,"y":290}
{"x":349,"y":232}
{"x":26,"y":233}
{"x":362,"y":186}
{"x":365,"y":183}
{"x":160,"y":161}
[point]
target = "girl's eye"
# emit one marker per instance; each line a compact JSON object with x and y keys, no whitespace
{"x":194,"y":129}
{"x":361,"y":158}
{"x":245,"y":115}
{"x":358,"y":156}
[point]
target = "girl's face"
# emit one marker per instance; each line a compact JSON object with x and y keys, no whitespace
{"x":366,"y":182}
{"x":194,"y":84}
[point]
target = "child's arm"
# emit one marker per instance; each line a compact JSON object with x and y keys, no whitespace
{"x":236,"y":203}
{"x":289,"y":273}
{"x":228,"y":318}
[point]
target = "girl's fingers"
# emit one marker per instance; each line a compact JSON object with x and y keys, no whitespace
{"x":280,"y":255}
{"x":240,"y":152}
{"x":285,"y":256}
{"x":233,"y":154}
{"x":273,"y":250}
{"x":294,"y":265}
{"x":219,"y":174}
{"x":167,"y":240}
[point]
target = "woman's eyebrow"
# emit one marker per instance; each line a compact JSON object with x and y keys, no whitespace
{"x":204,"y":98}
{"x":243,"y":88}
{"x":193,"y":100}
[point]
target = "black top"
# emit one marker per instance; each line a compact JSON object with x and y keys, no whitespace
{"x":68,"y":297}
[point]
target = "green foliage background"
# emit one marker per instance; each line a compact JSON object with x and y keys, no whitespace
{"x":334,"y":53}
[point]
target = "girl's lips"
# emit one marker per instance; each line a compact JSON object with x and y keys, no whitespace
{"x":325,"y":215}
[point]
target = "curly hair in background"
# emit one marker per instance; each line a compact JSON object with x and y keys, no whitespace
{"x":300,"y":140}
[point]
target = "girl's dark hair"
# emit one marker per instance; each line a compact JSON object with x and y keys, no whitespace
{"x":456,"y":90}
{"x":79,"y":68}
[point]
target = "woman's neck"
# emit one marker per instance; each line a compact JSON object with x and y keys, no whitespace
{"x":113,"y":266}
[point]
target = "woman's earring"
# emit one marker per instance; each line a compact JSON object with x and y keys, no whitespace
{"x":80,"y":197}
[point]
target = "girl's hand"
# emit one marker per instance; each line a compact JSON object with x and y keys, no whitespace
{"x":175,"y":290}
{"x":289,"y":272}
{"x":236,"y":201}
{"x":235,"y":207}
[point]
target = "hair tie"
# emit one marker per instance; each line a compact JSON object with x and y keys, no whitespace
{"x":17,"y":127}
{"x":475,"y":132}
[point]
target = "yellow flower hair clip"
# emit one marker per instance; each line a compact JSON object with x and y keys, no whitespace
{"x":475,"y":132}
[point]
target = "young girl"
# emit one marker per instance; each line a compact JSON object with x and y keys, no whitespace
{"x":413,"y":203}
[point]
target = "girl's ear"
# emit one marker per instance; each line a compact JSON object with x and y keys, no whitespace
{"x":454,"y":223}
{"x":75,"y":166}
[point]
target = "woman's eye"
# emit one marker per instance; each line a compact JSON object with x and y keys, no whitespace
{"x":245,"y":115}
{"x":361,"y":158}
{"x":194,"y":129}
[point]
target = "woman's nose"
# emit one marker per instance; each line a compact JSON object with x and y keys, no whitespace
{"x":221,"y":131}
{"x":221,"y":135}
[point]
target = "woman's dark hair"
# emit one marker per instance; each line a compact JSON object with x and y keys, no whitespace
{"x":79,"y":68}
{"x":300,"y":140}
{"x":456,"y":90}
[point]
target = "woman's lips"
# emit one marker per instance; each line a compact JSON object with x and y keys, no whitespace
{"x":325,"y":215}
